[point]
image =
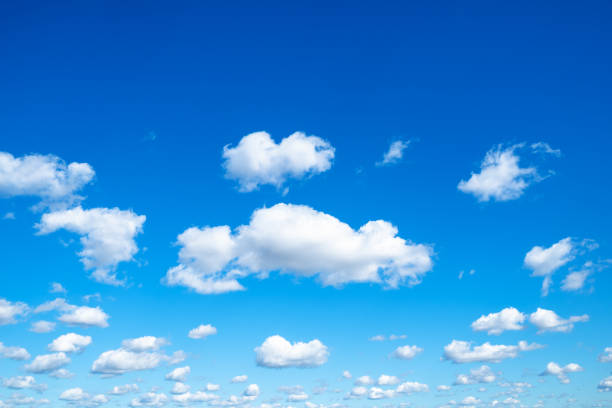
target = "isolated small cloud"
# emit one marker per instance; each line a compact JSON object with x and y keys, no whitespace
{"x":178,"y":374}
{"x":276,"y":352}
{"x":85,"y":316}
{"x":70,"y":343}
{"x":407,"y":352}
{"x":240,"y":378}
{"x":202,"y":331}
{"x":395,"y":153}
{"x":606,"y":357}
{"x":258,"y":160}
{"x":57,"y":288}
{"x":545,"y":261}
{"x":496,"y":323}
{"x":410,"y":387}
{"x":605,"y":385}
{"x":556,"y":370}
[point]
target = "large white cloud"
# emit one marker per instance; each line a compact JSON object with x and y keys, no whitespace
{"x":298,"y":240}
{"x":107,"y":236}
{"x":70,"y":343}
{"x":47,"y":363}
{"x":548,"y":321}
{"x":9,"y":311}
{"x":500,"y":178}
{"x":276,"y":352}
{"x":13,"y":352}
{"x":545,"y":261}
{"x":46,"y":177}
{"x":258,"y":160}
{"x":495,"y":323}
{"x":462,"y":352}
{"x":555,"y":369}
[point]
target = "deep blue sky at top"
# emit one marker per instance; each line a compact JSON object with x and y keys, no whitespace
{"x":94,"y":81}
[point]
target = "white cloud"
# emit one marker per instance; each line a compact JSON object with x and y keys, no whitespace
{"x":120,"y":361}
{"x":409,"y":387}
{"x":61,"y":373}
{"x":575,"y":280}
{"x":70,"y":343}
{"x":299,"y":397}
{"x":556,"y":370}
{"x":395,"y":153}
{"x":470,"y":400}
{"x":548,"y":321}
{"x":57,"y":288}
{"x":42,"y":326}
{"x":407,"y":352}
{"x":545,"y":261}
{"x":23,"y":382}
{"x":484,"y":374}
{"x":46,"y":177}
{"x":85,"y":316}
{"x":144,"y":343}
{"x":74,"y":394}
{"x":252,"y":390}
{"x":180,"y":388}
{"x":443,"y":388}
{"x":276,"y":352}
{"x":150,"y":399}
{"x":10,"y":310}
{"x":107,"y":236}
{"x":258,"y":160}
{"x":500,"y":178}
{"x":495,"y":323}
{"x":47,"y":363}
{"x":240,"y":378}
{"x":189,"y":398}
{"x":606,"y":357}
{"x":364,"y":380}
{"x":55,"y":304}
{"x":178,"y":374}
{"x":14,"y":353}
{"x":541,"y":147}
{"x":202,"y":331}
{"x":124,"y":389}
{"x":347,"y":374}
{"x":358,"y":392}
{"x":605,"y":385}
{"x":213,"y":387}
{"x":376,"y":393}
{"x":385,"y":379}
{"x":462,"y":351}
{"x":298,"y":240}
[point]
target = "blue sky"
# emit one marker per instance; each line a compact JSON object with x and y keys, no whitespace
{"x":322,"y":172}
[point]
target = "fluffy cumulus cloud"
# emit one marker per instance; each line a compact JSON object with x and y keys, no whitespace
{"x":276,"y":352}
{"x":42,"y":326}
{"x":189,"y":398}
{"x":70,"y":343}
{"x":606,"y":356}
{"x":385,"y":379}
{"x":124,"y":360}
{"x":556,"y":370}
{"x":107,"y":235}
{"x":484,"y":374}
{"x":48,"y":363}
{"x":410,"y":387}
{"x":23,"y":382}
{"x":47,"y":177}
{"x":259,"y":160}
{"x":501,"y":178}
{"x":545,"y":261}
{"x":463,"y":352}
{"x":124,"y":389}
{"x":605,"y":385}
{"x":83,"y":316}
{"x":13,"y":352}
{"x":575,"y":280}
{"x":202,"y":331}
{"x":298,"y":240}
{"x":548,"y":321}
{"x":9,"y":311}
{"x":144,"y":343}
{"x":178,"y":374}
{"x":74,"y":394}
{"x":395,"y":153}
{"x":495,"y":323}
{"x":407,"y":352}
{"x":240,"y":378}
{"x":150,"y":399}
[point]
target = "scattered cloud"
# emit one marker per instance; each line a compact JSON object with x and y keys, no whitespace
{"x":14,"y":353}
{"x":395,"y":153}
{"x":107,"y":237}
{"x":144,"y":343}
{"x":462,"y":351}
{"x":258,"y":160}
{"x":556,"y":370}
{"x":496,"y":323}
{"x":276,"y":352}
{"x":124,"y":360}
{"x":178,"y":374}
{"x":298,"y":240}
{"x":70,"y":343}
{"x":150,"y":399}
{"x":47,"y":363}
{"x":83,"y":316}
{"x":548,"y":321}
{"x":484,"y":375}
{"x":606,"y":357}
{"x":545,"y":261}
{"x":407,"y":352}
{"x":240,"y":378}
{"x":124,"y":389}
{"x":9,"y":311}
{"x":605,"y":385}
{"x":23,"y":382}
{"x":57,"y":288}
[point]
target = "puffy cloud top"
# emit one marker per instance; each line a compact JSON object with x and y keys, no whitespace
{"x":495,"y":323}
{"x":276,"y":352}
